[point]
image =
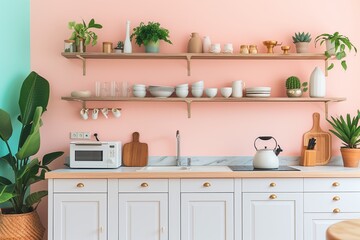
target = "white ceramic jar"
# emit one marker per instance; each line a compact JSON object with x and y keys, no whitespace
{"x":317,"y":85}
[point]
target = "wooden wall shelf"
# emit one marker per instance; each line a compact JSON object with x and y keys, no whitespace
{"x":193,"y":56}
{"x":191,"y":100}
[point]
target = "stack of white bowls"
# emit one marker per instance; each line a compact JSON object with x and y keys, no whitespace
{"x":182,"y":90}
{"x":197,"y":89}
{"x":139,"y":90}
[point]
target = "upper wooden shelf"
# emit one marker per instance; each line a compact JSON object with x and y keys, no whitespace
{"x":190,"y":100}
{"x":189,"y":56}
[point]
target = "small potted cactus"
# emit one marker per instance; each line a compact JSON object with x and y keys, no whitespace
{"x":301,"y":41}
{"x":294,"y":88}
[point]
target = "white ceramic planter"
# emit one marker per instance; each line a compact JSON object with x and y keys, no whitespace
{"x":317,"y":84}
{"x":330,"y":47}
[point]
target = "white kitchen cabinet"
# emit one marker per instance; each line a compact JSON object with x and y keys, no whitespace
{"x":207,"y":209}
{"x":143,"y":216}
{"x":271,"y":214}
{"x":328,"y":201}
{"x":80,"y":216}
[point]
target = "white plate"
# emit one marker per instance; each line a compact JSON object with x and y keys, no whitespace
{"x":258,"y":95}
{"x":80,"y":93}
{"x":258,"y":89}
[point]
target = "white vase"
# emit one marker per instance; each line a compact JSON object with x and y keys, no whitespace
{"x":206,"y":44}
{"x":127,"y":42}
{"x":317,"y":84}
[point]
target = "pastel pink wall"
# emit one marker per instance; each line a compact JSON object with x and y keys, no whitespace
{"x":215,"y":128}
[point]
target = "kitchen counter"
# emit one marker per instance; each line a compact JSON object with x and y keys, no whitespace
{"x":133,"y":172}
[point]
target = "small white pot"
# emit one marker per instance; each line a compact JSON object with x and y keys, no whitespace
{"x":317,"y":85}
{"x":330,"y":47}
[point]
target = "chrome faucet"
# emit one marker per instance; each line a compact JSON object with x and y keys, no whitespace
{"x":178,"y":161}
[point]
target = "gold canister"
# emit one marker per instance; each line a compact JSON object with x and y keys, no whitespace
{"x":244,"y":49}
{"x":107,"y":47}
{"x":253,"y":49}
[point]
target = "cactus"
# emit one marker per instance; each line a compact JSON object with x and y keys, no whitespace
{"x":293,"y":82}
{"x":301,"y":37}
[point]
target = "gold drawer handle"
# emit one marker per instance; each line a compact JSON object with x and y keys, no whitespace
{"x":207,"y":184}
{"x":336,"y":184}
{"x":336,"y":210}
{"x":272,"y":184}
{"x":336,"y":198}
{"x":273,"y":196}
{"x":144,"y":184}
{"x":80,"y":185}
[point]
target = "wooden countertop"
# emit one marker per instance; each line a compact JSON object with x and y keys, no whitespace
{"x":133,"y":172}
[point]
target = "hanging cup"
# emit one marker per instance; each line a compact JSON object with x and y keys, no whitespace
{"x":84,"y":113}
{"x":95,"y":113}
{"x":116,"y":112}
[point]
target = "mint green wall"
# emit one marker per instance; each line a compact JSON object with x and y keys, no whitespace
{"x":14,"y":60}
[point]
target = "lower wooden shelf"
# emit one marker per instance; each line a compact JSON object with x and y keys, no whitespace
{"x":191,"y":100}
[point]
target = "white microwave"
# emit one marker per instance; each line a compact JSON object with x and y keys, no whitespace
{"x":95,"y":154}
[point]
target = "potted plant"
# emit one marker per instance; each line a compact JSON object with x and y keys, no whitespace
{"x":149,"y":36}
{"x":301,"y":41}
{"x":82,"y":35}
{"x":294,"y":88}
{"x":348,"y":131}
{"x":21,"y":221}
{"x":119,"y":47}
{"x":336,"y":45}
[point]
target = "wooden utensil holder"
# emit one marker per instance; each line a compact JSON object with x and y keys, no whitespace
{"x":308,"y":157}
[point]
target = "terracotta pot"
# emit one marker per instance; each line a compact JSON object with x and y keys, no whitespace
{"x":25,"y":226}
{"x":350,"y":156}
{"x":195,"y":44}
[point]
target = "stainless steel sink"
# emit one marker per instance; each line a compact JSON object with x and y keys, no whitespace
{"x":185,"y":169}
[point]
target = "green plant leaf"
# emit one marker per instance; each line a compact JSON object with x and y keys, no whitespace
{"x":5,"y":193}
{"x":4,"y":181}
{"x":35,"y":197}
{"x":48,"y":158}
{"x":330,"y":66}
{"x":343,"y":64}
{"x":5,"y":126}
{"x":26,"y":168}
{"x":34,"y":92}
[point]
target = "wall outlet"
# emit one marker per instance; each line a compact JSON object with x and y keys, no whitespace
{"x":80,"y":135}
{"x":73,"y":135}
{"x":87,"y":135}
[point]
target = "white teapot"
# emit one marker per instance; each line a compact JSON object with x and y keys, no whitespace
{"x":266,"y":158}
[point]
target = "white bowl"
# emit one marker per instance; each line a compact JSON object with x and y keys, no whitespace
{"x":162,"y":88}
{"x":182,"y":93}
{"x":211,"y":92}
{"x":198,"y":84}
{"x":80,"y":93}
{"x":185,"y":85}
{"x":139,"y":93}
{"x":162,"y":93}
{"x":138,"y":88}
{"x":226,"y":92}
{"x":197,"y":92}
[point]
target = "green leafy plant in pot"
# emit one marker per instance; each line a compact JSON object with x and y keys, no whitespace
{"x":301,"y":41}
{"x":82,"y":35}
{"x":26,"y":170}
{"x":336,"y":45}
{"x":149,"y":35}
{"x":348,"y":131}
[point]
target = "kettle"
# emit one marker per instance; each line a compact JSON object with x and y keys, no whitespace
{"x":266,"y":158}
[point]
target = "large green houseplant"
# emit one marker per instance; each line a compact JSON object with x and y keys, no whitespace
{"x":336,"y":45}
{"x":149,"y":36}
{"x":26,"y":169}
{"x":348,"y":131}
{"x":82,"y":33}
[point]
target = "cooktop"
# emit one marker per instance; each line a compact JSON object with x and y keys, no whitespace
{"x":251,"y":168}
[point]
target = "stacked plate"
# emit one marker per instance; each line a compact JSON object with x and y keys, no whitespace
{"x":258,"y":92}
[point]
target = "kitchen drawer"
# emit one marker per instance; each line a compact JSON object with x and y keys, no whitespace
{"x":80,"y":185}
{"x":331,"y":184}
{"x":273,"y":185}
{"x":329,"y":202}
{"x":207,"y":185}
{"x":143,"y":185}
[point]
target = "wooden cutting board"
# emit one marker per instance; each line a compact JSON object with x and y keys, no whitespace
{"x":323,"y":141}
{"x":135,"y":153}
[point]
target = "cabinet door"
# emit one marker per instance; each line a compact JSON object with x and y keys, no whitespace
{"x":272,"y":216}
{"x":143,"y":216}
{"x":316,"y":224}
{"x":207,"y":216}
{"x":80,"y":216}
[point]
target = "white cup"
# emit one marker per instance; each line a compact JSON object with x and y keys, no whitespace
{"x":228,"y":48}
{"x":237,"y":88}
{"x":226,"y":92}
{"x":215,"y":48}
{"x":84,"y":113}
{"x":105,"y":112}
{"x":95,"y":113}
{"x":116,"y":112}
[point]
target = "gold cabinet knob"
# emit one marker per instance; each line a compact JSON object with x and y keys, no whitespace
{"x":80,"y":185}
{"x":144,"y":184}
{"x":207,"y":184}
{"x":336,"y":184}
{"x":272,"y":184}
{"x":336,"y":210}
{"x":273,"y":196}
{"x":336,"y":198}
